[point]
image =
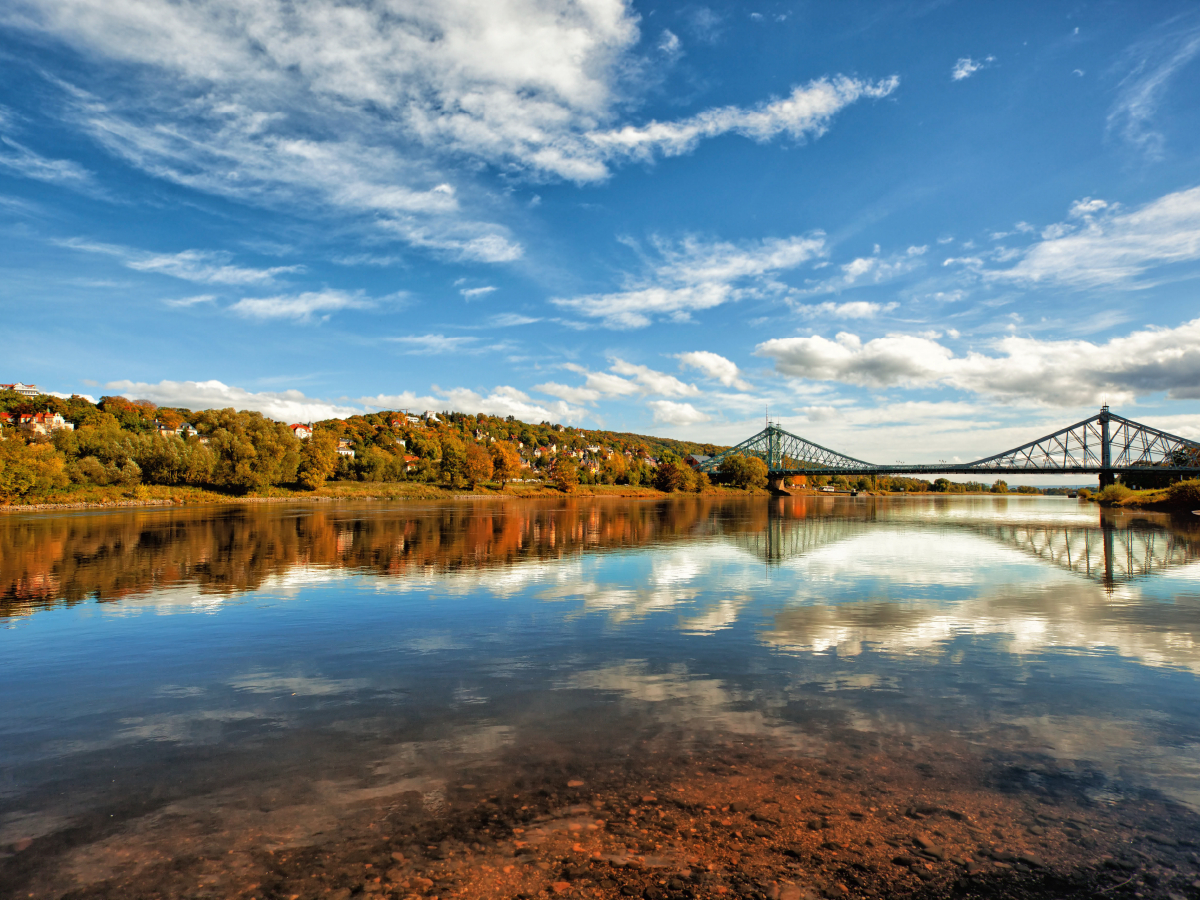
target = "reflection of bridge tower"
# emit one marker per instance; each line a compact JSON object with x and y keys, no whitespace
{"x":786,"y":538}
{"x":1106,"y":553}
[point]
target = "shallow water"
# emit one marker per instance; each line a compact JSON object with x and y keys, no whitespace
{"x":777,"y":698}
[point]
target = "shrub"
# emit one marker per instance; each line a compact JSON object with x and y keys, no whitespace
{"x":1114,"y":493}
{"x":1185,"y":492}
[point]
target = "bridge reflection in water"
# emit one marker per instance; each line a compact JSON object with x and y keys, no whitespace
{"x":1111,"y":550}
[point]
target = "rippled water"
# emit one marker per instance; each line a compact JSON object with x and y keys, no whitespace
{"x":259,"y":700}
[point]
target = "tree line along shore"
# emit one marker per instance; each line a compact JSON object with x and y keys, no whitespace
{"x":69,"y":451}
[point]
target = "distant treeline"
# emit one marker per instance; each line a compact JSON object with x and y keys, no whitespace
{"x":118,"y":441}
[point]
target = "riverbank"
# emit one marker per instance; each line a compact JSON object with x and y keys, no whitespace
{"x":1182,"y":496}
{"x":142,"y":495}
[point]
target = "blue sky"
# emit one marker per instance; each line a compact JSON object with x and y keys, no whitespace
{"x":914,"y":230}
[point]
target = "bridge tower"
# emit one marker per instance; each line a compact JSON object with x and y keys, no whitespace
{"x":1106,"y":473}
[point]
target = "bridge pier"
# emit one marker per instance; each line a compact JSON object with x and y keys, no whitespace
{"x":775,"y":484}
{"x":1107,"y":478}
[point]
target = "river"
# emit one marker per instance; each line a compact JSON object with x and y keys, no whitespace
{"x":694,"y":697}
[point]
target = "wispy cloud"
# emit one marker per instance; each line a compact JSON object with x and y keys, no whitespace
{"x":369,"y":111}
{"x":1153,"y":62}
{"x":1052,"y":372}
{"x":865,"y":270}
{"x":192,"y":301}
{"x":29,"y":164}
{"x":694,"y":275}
{"x":1100,"y":245}
{"x":477,"y":292}
{"x":966,"y":67}
{"x":300,"y":307}
{"x":434,"y":343}
{"x":200,"y":266}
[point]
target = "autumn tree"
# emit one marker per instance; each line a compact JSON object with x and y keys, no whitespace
{"x":614,"y":469}
{"x":506,"y":463}
{"x":674,"y":475}
{"x":565,"y":474}
{"x":477,"y":465}
{"x":318,"y":459}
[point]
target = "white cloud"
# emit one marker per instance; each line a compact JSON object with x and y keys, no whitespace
{"x":567,"y":392}
{"x":365,"y":108}
{"x":695,"y":275}
{"x":501,"y":401}
{"x":476,"y":293}
{"x":604,"y":382}
{"x":284,"y":406}
{"x":716,"y":367}
{"x":294,"y":406}
{"x":855,"y":309}
{"x":300,"y":307}
{"x":654,"y":382}
{"x":670,"y":45}
{"x":670,"y":412}
{"x":806,"y":112}
{"x":1109,"y":247}
{"x":200,"y":266}
{"x":1054,"y":373}
{"x":625,"y":379}
{"x":966,"y":67}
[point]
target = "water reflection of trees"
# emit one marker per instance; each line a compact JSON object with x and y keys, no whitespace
{"x":107,"y":556}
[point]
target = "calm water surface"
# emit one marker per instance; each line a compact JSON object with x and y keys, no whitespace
{"x":258,"y":700}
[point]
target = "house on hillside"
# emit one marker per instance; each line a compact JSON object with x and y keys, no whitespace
{"x":303,"y":432}
{"x":185,"y":430}
{"x":344,"y":448}
{"x":6,"y":419}
{"x":25,"y":390}
{"x":430,"y":416}
{"x":696,"y":459}
{"x":45,"y":422}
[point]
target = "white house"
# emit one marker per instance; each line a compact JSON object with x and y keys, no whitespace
{"x":25,"y":390}
{"x":303,"y":432}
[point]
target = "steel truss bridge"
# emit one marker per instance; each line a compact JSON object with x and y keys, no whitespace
{"x":1106,"y":444}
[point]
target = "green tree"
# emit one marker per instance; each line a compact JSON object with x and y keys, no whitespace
{"x":1000,"y":486}
{"x":454,"y":460}
{"x":673,"y":475}
{"x":29,"y":471}
{"x":743,"y":471}
{"x":318,"y":459}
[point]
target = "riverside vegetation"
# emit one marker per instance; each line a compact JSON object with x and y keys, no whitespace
{"x":130,"y":451}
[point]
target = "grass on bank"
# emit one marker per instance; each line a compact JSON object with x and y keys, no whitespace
{"x":83,"y":495}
